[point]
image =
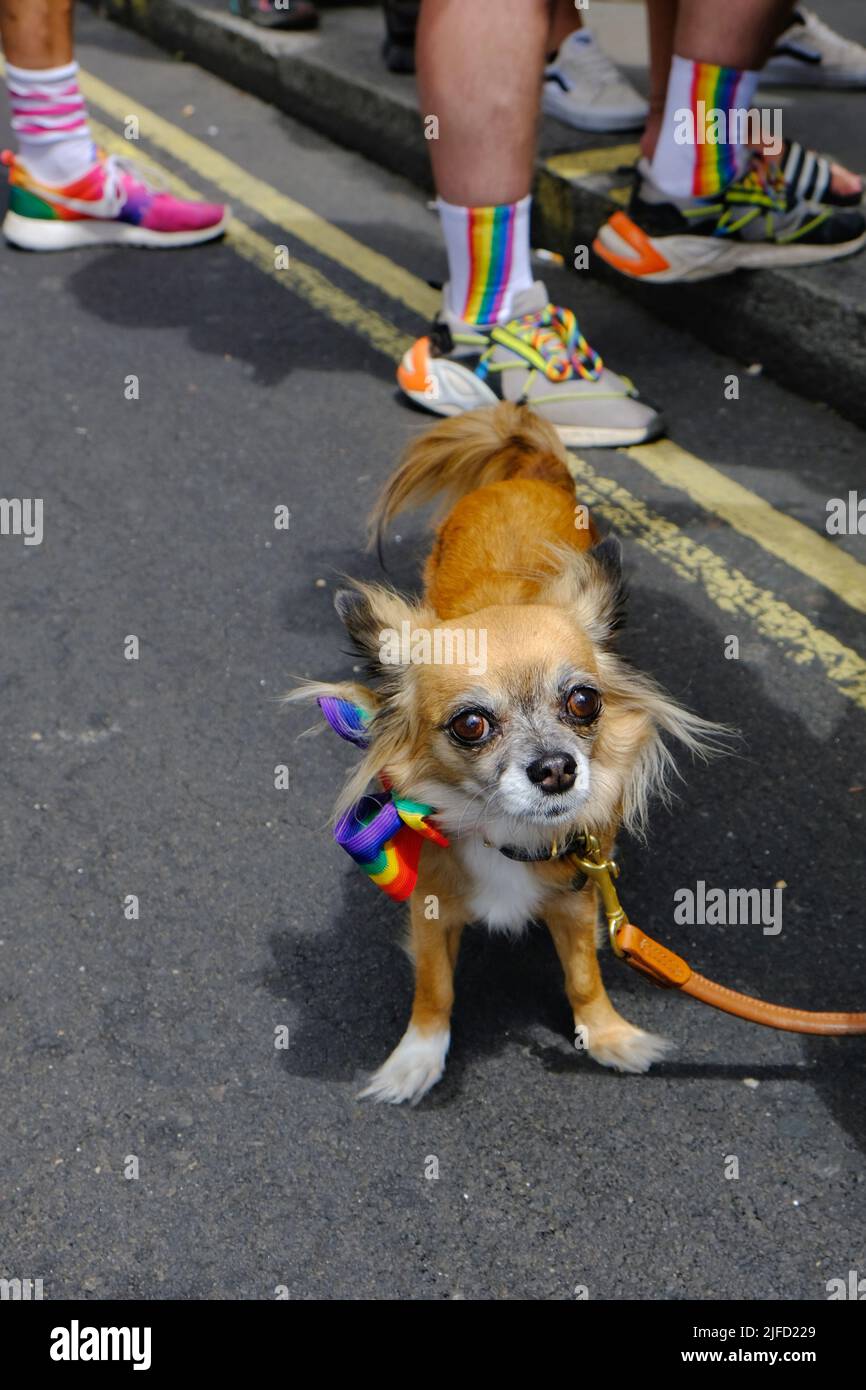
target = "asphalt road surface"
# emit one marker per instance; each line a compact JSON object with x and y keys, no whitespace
{"x":154,"y":1039}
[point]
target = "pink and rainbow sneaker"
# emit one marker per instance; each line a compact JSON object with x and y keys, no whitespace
{"x":113,"y":203}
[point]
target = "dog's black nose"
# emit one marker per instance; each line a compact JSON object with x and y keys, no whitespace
{"x":553,"y":772}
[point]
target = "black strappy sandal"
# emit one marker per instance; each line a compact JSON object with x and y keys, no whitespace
{"x":809,"y":176}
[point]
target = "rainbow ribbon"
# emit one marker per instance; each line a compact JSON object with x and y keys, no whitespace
{"x":382,"y":832}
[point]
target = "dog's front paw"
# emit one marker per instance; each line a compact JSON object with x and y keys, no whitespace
{"x":626,"y":1048}
{"x":415,"y":1065}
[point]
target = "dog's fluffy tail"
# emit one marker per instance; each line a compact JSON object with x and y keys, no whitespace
{"x":468,"y":451}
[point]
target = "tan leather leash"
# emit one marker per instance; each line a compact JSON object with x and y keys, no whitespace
{"x":670,"y":971}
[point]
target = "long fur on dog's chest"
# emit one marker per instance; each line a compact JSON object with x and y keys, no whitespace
{"x":503,"y":893}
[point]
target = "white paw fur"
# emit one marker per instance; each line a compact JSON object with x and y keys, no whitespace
{"x":626,"y":1048}
{"x":415,"y":1065}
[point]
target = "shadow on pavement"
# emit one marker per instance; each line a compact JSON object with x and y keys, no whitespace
{"x":226,"y":306}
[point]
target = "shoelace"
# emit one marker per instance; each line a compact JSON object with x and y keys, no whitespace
{"x":764,"y":177}
{"x":598,"y":65}
{"x":554,"y":335}
{"x":118,"y":164}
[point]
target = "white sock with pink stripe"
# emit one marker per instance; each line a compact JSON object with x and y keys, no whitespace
{"x":49,"y":119}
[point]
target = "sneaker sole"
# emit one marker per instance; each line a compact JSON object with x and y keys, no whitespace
{"x":687,"y":259}
{"x":594,"y":437}
{"x":572,"y":436}
{"x":445,"y":388}
{"x":34,"y":234}
{"x":556,"y":104}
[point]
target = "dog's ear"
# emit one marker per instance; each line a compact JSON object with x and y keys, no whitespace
{"x":590,"y":585}
{"x":374,"y":619}
{"x":611,"y":595}
{"x":355,"y":611}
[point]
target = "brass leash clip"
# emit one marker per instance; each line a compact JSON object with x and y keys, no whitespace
{"x":602,"y":872}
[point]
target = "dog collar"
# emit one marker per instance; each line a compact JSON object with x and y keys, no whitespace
{"x":573,"y":845}
{"x":381,"y":832}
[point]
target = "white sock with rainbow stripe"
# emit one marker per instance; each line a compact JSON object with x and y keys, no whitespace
{"x":49,"y":119}
{"x":699,"y":167}
{"x":488,"y":258}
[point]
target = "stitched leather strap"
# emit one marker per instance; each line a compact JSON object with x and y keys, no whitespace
{"x":670,"y":971}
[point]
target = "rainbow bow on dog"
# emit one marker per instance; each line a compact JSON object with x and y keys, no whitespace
{"x":382,"y":832}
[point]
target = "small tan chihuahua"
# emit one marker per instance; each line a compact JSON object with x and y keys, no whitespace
{"x":499,"y":700}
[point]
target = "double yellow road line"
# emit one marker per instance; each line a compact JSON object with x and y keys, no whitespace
{"x":731,"y":590}
{"x":788,"y":540}
{"x":275,"y":207}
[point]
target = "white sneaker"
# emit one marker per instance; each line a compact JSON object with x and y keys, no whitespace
{"x":541,"y":359}
{"x":583,"y":88}
{"x":811,"y":54}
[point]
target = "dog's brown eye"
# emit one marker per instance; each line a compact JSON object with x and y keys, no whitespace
{"x":583,"y":704}
{"x":469,"y":726}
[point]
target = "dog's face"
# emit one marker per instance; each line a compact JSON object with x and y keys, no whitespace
{"x":525,"y":741}
{"x":549,"y":732}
